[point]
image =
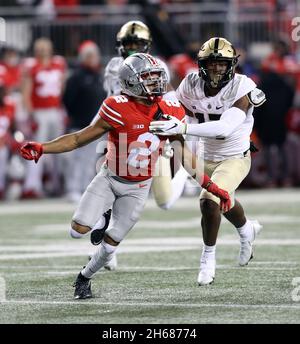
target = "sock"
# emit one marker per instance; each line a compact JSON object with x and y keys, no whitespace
{"x":75,"y":235}
{"x":103,"y":255}
{"x":245,"y":231}
{"x":208,"y":252}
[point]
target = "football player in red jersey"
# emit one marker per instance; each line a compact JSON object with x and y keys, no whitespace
{"x":124,"y":180}
{"x":42,"y":84}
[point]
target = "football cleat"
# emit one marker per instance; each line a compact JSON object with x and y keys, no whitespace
{"x":97,"y":234}
{"x":111,"y":265}
{"x":246,"y":248}
{"x":207,"y":272}
{"x":82,"y":287}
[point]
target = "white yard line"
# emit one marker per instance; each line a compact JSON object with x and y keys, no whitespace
{"x":246,"y":197}
{"x":82,"y":247}
{"x":67,"y":268}
{"x":150,"y":304}
{"x":193,"y":222}
{"x":146,"y":269}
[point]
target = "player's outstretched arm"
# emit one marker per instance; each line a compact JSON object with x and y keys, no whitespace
{"x":229,"y":121}
{"x":65,"y":143}
{"x":194,"y":167}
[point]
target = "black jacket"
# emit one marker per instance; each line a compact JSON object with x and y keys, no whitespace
{"x":270,"y":117}
{"x":83,"y":96}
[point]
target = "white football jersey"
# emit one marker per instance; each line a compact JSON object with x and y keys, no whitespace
{"x":191,"y":94}
{"x":111,"y":78}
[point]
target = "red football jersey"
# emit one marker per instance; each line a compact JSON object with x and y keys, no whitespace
{"x":132,"y":149}
{"x":3,"y":75}
{"x":13,"y":77}
{"x":7,"y":116}
{"x":47,"y":81}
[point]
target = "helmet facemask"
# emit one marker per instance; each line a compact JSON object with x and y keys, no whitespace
{"x":150,"y":84}
{"x":130,"y":45}
{"x":217,"y":76}
{"x":217,"y":60}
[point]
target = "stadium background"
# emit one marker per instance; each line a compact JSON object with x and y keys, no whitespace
{"x":48,"y":262}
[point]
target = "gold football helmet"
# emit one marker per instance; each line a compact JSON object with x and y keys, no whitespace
{"x":217,"y":49}
{"x":133,"y":37}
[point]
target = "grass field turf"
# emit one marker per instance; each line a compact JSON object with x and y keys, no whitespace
{"x":158,"y":266}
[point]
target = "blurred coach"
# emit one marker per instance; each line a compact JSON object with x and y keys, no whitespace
{"x":82,"y":98}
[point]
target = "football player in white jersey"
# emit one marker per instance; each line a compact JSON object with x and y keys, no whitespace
{"x":219,"y":104}
{"x":134,"y":36}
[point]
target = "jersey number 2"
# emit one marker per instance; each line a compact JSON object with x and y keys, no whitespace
{"x":143,"y":151}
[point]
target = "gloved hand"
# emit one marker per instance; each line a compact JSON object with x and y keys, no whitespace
{"x":32,"y":151}
{"x":172,"y":126}
{"x":213,"y":188}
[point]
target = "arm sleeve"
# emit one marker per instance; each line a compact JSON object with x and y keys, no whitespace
{"x":228,"y":122}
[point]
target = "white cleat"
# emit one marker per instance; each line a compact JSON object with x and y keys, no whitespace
{"x":246,"y":248}
{"x":207,"y":272}
{"x":112,"y":264}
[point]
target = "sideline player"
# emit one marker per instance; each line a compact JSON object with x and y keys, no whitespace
{"x":220,"y":104}
{"x":125,"y":178}
{"x":42,"y":87}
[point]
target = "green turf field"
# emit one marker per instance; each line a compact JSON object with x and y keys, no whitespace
{"x":158,"y":266}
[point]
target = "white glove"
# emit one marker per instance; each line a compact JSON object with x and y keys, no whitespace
{"x":172,"y":126}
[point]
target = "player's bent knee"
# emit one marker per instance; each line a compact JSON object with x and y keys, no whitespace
{"x":109,"y":245}
{"x":74,"y":234}
{"x":109,"y":240}
{"x":208,"y":206}
{"x":80,"y":228}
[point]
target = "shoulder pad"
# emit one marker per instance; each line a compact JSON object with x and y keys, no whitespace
{"x":256,"y":97}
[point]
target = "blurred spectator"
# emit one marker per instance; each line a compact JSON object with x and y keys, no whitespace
{"x":184,"y":63}
{"x":270,"y":119}
{"x":280,"y":60}
{"x":66,"y":5}
{"x":43,"y":80}
{"x":7,"y":114}
{"x":3,"y":75}
{"x":180,"y":65}
{"x":245,"y":66}
{"x":10,"y":59}
{"x":82,"y":98}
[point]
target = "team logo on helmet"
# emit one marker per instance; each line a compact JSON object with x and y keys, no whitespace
{"x":217,"y":50}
